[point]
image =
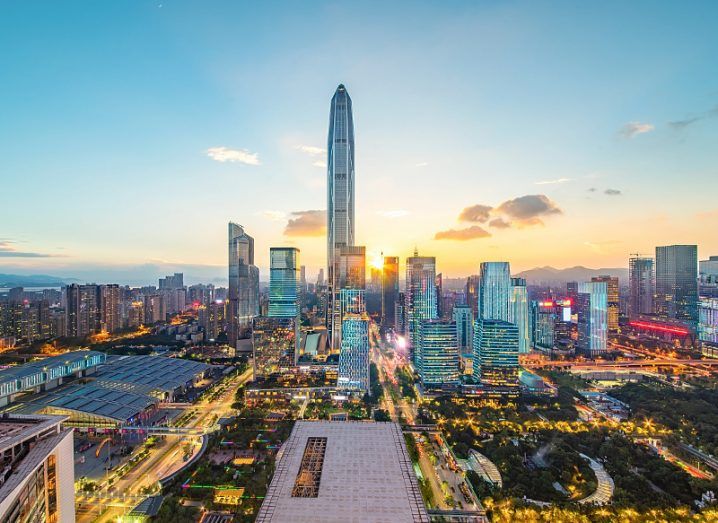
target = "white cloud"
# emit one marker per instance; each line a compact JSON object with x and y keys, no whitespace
{"x":397,"y":213}
{"x":225,"y":154}
{"x":275,"y":216}
{"x":320,"y":163}
{"x":632,"y":129}
{"x":553,"y":182}
{"x":422,"y":164}
{"x":311,"y":150}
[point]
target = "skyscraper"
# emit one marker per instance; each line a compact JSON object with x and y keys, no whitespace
{"x":284,"y":282}
{"x":677,"y":284}
{"x":519,"y":313}
{"x":274,"y":345}
{"x":350,"y":273}
{"x":463,"y":316}
{"x":592,"y":317}
{"x":496,"y":353}
{"x":389,"y":291}
{"x":420,"y":296}
{"x":340,"y":193}
{"x":81,"y":311}
{"x":108,"y":302}
{"x":439,"y":353}
{"x":612,"y":299}
{"x":642,"y":286}
{"x":354,"y":353}
{"x":494,"y":291}
{"x":472,"y":294}
{"x":243,"y":295}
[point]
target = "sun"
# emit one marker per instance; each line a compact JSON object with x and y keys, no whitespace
{"x":377,"y":261}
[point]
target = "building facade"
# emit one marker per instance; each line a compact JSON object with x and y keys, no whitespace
{"x":519,"y":313}
{"x":439,"y":353}
{"x":354,"y":353}
{"x":463,"y":316}
{"x":495,"y":291}
{"x":243,"y":293}
{"x":612,"y":298}
{"x":284,"y":282}
{"x":592,"y":305}
{"x":420,"y":296}
{"x":496,"y":353}
{"x":642,"y":286}
{"x":274,"y":345}
{"x":677,"y":284}
{"x":340,"y":195}
{"x":389,"y":291}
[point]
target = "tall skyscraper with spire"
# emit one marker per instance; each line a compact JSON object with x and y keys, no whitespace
{"x":340,"y":194}
{"x":243,"y":295}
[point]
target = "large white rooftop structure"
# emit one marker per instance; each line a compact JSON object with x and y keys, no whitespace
{"x":343,"y":472}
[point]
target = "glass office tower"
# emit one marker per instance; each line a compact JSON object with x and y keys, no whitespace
{"x":519,"y":313}
{"x":613,"y":300}
{"x":389,"y":291}
{"x":642,"y":286}
{"x":463,"y":316}
{"x":439,"y":353}
{"x":284,"y":282}
{"x":243,"y":293}
{"x":354,"y":353}
{"x":494,"y":291}
{"x":496,"y":353}
{"x":274,"y":343}
{"x":592,"y":317}
{"x":420,"y":296}
{"x":340,"y":189}
{"x":677,"y":283}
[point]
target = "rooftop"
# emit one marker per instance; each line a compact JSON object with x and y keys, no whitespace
{"x":156,"y":372}
{"x":329,"y":470}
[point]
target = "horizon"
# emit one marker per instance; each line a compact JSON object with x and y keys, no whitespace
{"x":579,"y":147}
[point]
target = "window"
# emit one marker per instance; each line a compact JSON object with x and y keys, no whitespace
{"x":310,"y":471}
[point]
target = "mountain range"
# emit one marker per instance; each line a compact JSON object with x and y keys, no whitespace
{"x":552,"y":276}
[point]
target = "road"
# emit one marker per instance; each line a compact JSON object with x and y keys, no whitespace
{"x":164,"y":459}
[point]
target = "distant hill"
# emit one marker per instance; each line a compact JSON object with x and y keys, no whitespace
{"x":552,"y":276}
{"x":33,"y":280}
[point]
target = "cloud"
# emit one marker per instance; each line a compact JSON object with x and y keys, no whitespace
{"x":553,"y":182}
{"x":307,"y":223}
{"x":470,"y":233}
{"x":225,"y":154}
{"x":528,"y":209}
{"x":679,"y":125}
{"x":7,"y":250}
{"x":592,"y":189}
{"x":422,"y":164}
{"x":275,"y":216}
{"x":499,"y":223}
{"x":632,"y":129}
{"x":311,"y":150}
{"x":476,"y":213}
{"x":599,"y":246}
{"x":398,"y":213}
{"x":612,"y":192}
{"x":320,"y":163}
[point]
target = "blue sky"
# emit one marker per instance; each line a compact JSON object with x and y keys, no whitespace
{"x":110,"y":113}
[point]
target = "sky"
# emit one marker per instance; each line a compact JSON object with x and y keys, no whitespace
{"x":542,"y":133}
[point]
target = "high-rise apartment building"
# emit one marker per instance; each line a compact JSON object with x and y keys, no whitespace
{"x":340,"y":198}
{"x":389,"y":291}
{"x":496,"y":353}
{"x":592,"y":306}
{"x":519,"y":313}
{"x":243,"y":294}
{"x":420,"y":297}
{"x":109,"y":307}
{"x":176,"y":281}
{"x":495,"y":291}
{"x":81,"y":310}
{"x":38,"y":480}
{"x":354,"y":352}
{"x":677,"y":284}
{"x":612,"y":300}
{"x":439,"y":351}
{"x":641,"y":285}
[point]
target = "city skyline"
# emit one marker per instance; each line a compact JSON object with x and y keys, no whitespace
{"x":625,"y":135}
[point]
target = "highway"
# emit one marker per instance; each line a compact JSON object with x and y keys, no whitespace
{"x":164,"y":459}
